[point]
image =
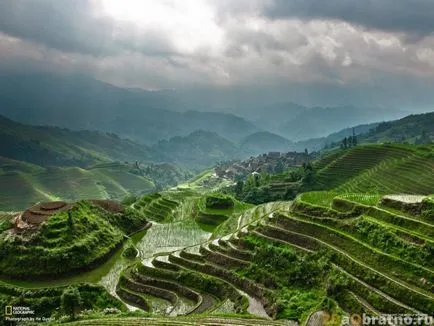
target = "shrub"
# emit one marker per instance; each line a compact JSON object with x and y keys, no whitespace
{"x":219,"y":201}
{"x":71,"y":301}
{"x":130,"y":252}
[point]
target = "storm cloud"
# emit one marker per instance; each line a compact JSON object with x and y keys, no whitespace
{"x":379,"y":48}
{"x":413,"y":17}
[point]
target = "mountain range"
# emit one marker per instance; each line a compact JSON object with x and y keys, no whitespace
{"x":40,"y":163}
{"x":81,"y":103}
{"x":146,"y":117}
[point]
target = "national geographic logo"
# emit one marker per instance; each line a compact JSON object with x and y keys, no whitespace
{"x":23,"y":314}
{"x":8,"y":311}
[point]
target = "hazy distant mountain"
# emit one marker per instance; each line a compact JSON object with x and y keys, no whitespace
{"x":316,"y":144}
{"x":319,"y":122}
{"x":271,"y":117}
{"x":79,"y":102}
{"x":199,"y":149}
{"x":415,"y":128}
{"x":54,"y":146}
{"x":262,"y":142}
{"x":62,"y":147}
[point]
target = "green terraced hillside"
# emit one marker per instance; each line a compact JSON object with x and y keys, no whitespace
{"x":63,"y":147}
{"x":23,"y":184}
{"x":208,"y":258}
{"x":74,"y":239}
{"x":45,"y":301}
{"x":345,"y":253}
{"x":378,"y":169}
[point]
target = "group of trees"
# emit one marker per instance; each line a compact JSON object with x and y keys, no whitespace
{"x":263,"y":187}
{"x":349,"y":142}
{"x":219,"y":201}
{"x":423,"y":139}
{"x":71,"y":301}
{"x":253,"y":189}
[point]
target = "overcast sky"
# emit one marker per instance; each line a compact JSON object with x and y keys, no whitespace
{"x":381,"y":49}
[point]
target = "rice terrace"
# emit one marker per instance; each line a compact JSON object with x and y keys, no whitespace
{"x":215,"y":162}
{"x":195,"y":254}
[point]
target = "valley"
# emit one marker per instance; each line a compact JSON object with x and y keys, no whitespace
{"x":216,"y":163}
{"x":194,"y":252}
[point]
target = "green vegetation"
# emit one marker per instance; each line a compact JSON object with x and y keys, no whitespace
{"x":371,"y":170}
{"x":263,"y":141}
{"x":380,"y":169}
{"x":51,"y":146}
{"x":215,"y":201}
{"x":71,"y":301}
{"x":59,"y":302}
{"x":130,"y":252}
{"x":265,"y":187}
{"x":349,"y":246}
{"x":68,"y":241}
{"x":413,"y":129}
{"x":162,"y":238}
{"x":6,"y":220}
{"x":20,"y":189}
{"x":296,"y":277}
{"x":156,"y":207}
{"x":198,"y":150}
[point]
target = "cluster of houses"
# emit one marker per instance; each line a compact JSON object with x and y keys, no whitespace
{"x":269,"y":162}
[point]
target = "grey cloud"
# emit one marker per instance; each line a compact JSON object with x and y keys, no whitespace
{"x":414,"y":17}
{"x":76,"y":26}
{"x":67,"y":26}
{"x":309,"y":46}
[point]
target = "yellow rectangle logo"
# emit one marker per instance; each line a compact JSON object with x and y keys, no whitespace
{"x":8,"y":310}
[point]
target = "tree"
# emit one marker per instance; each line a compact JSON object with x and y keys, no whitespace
{"x":354,"y":138}
{"x":249,"y":184}
{"x":345,"y":143}
{"x":70,"y":221}
{"x":279,"y":167}
{"x":71,"y":301}
{"x":423,"y":139}
{"x":239,"y":188}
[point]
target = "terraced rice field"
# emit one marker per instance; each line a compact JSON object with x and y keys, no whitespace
{"x":170,"y":237}
{"x":392,"y":267}
{"x":378,"y":263}
{"x":157,"y":207}
{"x":6,"y":219}
{"x":384,"y":169}
{"x":23,"y":187}
{"x":345,"y":251}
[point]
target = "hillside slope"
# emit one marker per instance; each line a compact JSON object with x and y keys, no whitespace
{"x":415,"y":128}
{"x":378,"y":168}
{"x":80,"y":102}
{"x":23,"y":184}
{"x":319,"y":122}
{"x":371,"y":169}
{"x":197,"y":150}
{"x":262,"y":142}
{"x":63,"y":147}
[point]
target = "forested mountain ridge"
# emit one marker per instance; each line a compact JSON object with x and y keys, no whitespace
{"x":79,"y":102}
{"x":64,"y":147}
